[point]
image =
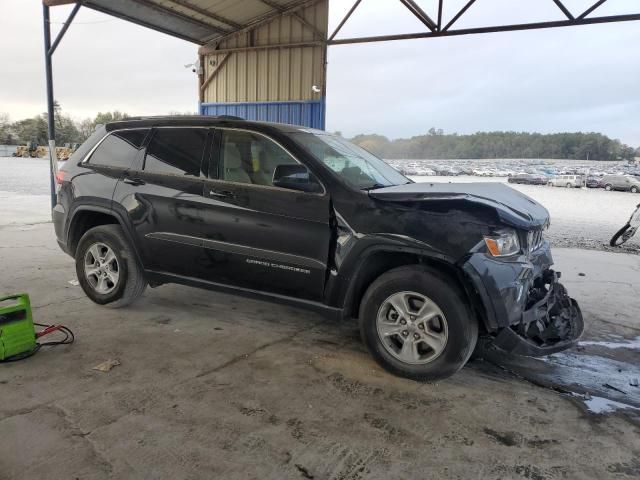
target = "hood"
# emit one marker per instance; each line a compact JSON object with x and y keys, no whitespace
{"x":513,"y":207}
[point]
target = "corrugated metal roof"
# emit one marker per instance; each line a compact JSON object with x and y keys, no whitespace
{"x":198,"y":21}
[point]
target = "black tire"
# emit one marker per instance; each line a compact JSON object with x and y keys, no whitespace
{"x":131,"y":282}
{"x":608,"y":187}
{"x":619,"y":237}
{"x":461,"y":323}
{"x":634,"y":189}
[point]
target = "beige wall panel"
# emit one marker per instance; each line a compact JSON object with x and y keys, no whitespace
{"x":272,"y":74}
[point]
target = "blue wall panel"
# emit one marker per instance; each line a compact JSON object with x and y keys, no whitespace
{"x":305,"y":113}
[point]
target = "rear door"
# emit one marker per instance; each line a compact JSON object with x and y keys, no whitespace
{"x":108,"y":162}
{"x":258,"y":236}
{"x":162,"y":197}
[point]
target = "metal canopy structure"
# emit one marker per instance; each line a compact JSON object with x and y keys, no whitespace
{"x":446,"y":28}
{"x":197,"y":21}
{"x":266,"y":59}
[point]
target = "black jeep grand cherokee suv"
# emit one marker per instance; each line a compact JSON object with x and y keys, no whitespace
{"x":296,"y":215}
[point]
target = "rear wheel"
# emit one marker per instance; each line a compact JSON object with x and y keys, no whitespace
{"x":569,"y":185}
{"x":106,"y":267}
{"x":416,"y":325}
{"x":608,"y":187}
{"x":634,"y":189}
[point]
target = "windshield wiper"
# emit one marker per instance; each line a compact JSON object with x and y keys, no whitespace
{"x":373,"y":187}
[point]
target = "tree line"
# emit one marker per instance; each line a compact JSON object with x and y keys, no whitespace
{"x":35,"y":129}
{"x":68,"y":130}
{"x":435,"y":144}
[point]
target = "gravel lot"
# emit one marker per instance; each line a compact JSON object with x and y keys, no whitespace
{"x":580,"y":217}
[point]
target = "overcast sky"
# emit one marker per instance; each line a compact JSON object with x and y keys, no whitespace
{"x":568,"y":79}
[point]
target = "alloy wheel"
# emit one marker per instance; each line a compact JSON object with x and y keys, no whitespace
{"x":412,"y":328}
{"x":101,"y":268}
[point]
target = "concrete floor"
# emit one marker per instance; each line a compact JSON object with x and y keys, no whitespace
{"x":216,"y":386}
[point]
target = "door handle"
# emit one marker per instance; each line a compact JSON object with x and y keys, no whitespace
{"x":134,"y":181}
{"x":223,"y":194}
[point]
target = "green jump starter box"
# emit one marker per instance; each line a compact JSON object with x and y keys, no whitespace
{"x":17,"y":333}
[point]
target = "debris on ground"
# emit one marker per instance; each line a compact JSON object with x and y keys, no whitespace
{"x":106,"y":366}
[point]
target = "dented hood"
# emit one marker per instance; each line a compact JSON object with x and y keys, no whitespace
{"x":513,"y":207}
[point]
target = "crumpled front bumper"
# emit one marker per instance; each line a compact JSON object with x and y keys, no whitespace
{"x":528,"y":311}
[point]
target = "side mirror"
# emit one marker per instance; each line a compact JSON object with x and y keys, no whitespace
{"x":295,"y":177}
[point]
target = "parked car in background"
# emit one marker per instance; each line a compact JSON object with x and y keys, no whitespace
{"x":569,"y":181}
{"x":522,"y":178}
{"x":625,"y":183}
{"x":592,"y":182}
{"x":528,"y":179}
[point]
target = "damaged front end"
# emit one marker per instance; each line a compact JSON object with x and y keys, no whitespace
{"x":551,"y":322}
{"x":527,"y":311}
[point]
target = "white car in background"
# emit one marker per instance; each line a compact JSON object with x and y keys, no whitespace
{"x":568,"y":181}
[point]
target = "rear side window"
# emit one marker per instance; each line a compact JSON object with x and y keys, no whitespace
{"x":176,"y":151}
{"x":119,"y":149}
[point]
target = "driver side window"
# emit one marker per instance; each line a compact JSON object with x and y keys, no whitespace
{"x":247,"y":157}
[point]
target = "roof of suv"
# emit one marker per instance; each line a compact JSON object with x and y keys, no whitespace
{"x":203,"y":120}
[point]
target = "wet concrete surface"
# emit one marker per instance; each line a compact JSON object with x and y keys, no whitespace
{"x":216,"y":386}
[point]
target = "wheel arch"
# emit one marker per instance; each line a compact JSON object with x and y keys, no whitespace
{"x":380,"y":261}
{"x":85,"y":217}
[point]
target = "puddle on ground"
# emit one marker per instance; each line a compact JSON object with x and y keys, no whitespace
{"x":601,"y":405}
{"x":603,"y":385}
{"x":632,"y":344}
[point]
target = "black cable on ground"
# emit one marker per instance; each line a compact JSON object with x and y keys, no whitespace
{"x":68,"y":339}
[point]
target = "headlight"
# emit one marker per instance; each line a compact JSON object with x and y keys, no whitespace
{"x":503,"y":243}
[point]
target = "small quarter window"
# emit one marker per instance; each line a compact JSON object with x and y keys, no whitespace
{"x":119,"y":149}
{"x":176,"y":151}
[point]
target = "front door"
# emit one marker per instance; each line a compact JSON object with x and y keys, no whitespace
{"x":163,"y":198}
{"x":258,"y":236}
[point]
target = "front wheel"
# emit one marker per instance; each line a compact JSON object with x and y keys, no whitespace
{"x":608,"y":187}
{"x":417,"y":325}
{"x":107,"y":268}
{"x":634,"y":189}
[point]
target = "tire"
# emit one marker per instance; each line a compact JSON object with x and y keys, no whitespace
{"x":622,"y":235}
{"x":455,"y":326}
{"x":569,"y":185}
{"x":123,"y":281}
{"x":634,"y":189}
{"x":608,"y":187}
{"x":550,"y":184}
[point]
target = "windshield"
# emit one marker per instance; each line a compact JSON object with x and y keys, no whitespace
{"x":353,"y":164}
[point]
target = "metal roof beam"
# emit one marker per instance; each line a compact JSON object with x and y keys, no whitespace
{"x":420,"y":14}
{"x":181,"y":16}
{"x":564,"y":9}
{"x":211,"y":46}
{"x":296,"y":15}
{"x":215,"y":71}
{"x":207,"y":13}
{"x":494,"y":29}
{"x":344,"y":20}
{"x":55,"y":3}
{"x":64,"y":28}
{"x":458,"y":15}
{"x":271,"y":46}
{"x":591,"y":9}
